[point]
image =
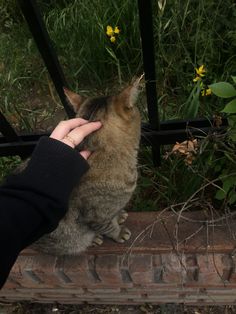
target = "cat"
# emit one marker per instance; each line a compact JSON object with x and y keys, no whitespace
{"x":96,"y":207}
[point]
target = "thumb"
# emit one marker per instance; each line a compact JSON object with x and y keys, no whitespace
{"x":85,"y":154}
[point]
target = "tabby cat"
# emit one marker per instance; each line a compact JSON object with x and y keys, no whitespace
{"x":97,"y":203}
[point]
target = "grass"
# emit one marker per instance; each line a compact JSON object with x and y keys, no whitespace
{"x":187,"y":35}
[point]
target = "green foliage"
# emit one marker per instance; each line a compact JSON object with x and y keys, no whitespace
{"x":223,"y":89}
{"x":227,"y":190}
{"x":228,"y":171}
{"x":78,"y":29}
{"x":190,"y":108}
{"x":187,"y":35}
{"x":7,"y":164}
{"x":227,"y":90}
{"x":230,"y":107}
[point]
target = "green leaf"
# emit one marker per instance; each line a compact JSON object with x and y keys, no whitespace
{"x":145,"y":182}
{"x":223,"y":89}
{"x":191,"y":107}
{"x":228,"y":184}
{"x":232,"y":131}
{"x":230,"y":107}
{"x":111,"y":53}
{"x":217,"y":168}
{"x":232,"y":197}
{"x":220,"y":195}
{"x":232,"y":121}
{"x":234,"y":78}
{"x":232,"y":135}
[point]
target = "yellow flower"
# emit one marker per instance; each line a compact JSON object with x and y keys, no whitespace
{"x":206,"y":92}
{"x":197,"y":78}
{"x":116,"y":30}
{"x":112,"y":32}
{"x":201,"y":70}
{"x":112,"y":39}
{"x":109,"y":31}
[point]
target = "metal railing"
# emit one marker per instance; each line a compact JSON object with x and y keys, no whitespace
{"x":154,"y":133}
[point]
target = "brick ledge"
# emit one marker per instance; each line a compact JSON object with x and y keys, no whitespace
{"x":151,"y":267}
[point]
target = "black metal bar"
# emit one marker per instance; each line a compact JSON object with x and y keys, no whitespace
{"x":152,"y":137}
{"x":23,"y":148}
{"x":37,"y":27}
{"x":192,"y":123}
{"x":146,"y":31}
{"x":7,"y":130}
{"x":170,"y":132}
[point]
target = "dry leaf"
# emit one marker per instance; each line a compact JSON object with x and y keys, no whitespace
{"x":187,"y":149}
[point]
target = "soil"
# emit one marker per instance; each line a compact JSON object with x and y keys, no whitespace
{"x":34,"y":308}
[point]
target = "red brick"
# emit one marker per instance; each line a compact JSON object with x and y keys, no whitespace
{"x":157,"y":261}
{"x":75,"y":270}
{"x":34,"y":271}
{"x":107,"y":269}
{"x":191,"y":260}
{"x":214,"y":268}
{"x":43,"y":268}
{"x":192,"y":269}
{"x":141,"y":269}
{"x":174,"y":268}
{"x":103,"y":290}
{"x":55,"y":296}
{"x":232,"y":278}
{"x":7,"y":292}
{"x":11,"y":284}
{"x":18,"y":274}
{"x":60,"y":291}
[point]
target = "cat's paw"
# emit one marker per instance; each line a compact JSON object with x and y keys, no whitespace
{"x":98,"y":240}
{"x":122,"y":216}
{"x":124,"y":235}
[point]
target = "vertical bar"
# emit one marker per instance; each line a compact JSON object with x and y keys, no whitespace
{"x":7,"y":131}
{"x":37,"y":27}
{"x":10,"y":135}
{"x":146,"y":31}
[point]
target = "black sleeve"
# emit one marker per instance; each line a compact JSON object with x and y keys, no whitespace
{"x":33,"y":201}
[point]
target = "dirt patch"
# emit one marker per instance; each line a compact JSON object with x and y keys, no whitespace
{"x":34,"y":308}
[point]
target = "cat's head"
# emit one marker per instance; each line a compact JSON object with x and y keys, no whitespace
{"x":119,"y":114}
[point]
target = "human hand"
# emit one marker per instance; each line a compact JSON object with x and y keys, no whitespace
{"x":73,"y":131}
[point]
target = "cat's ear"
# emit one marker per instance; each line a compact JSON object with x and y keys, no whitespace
{"x":74,"y":99}
{"x":130,"y":94}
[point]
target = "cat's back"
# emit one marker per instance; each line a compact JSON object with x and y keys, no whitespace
{"x":112,"y":176}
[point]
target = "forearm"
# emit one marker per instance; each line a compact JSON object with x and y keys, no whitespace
{"x":33,"y":201}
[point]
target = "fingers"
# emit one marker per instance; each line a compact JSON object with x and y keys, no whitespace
{"x":64,"y":127}
{"x":85,"y":154}
{"x":79,"y":133}
{"x":73,"y":131}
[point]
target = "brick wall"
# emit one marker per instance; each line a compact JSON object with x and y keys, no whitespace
{"x":195,"y":265}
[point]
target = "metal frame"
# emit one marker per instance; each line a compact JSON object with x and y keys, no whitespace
{"x":155,"y":133}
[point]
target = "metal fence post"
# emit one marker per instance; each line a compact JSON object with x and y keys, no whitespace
{"x":37,"y":27}
{"x":146,"y":31}
{"x":7,"y":130}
